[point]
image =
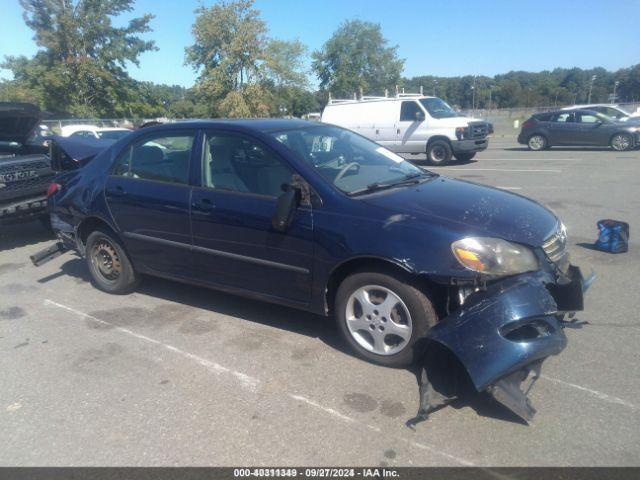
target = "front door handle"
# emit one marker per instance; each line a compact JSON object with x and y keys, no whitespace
{"x":398,"y":131}
{"x":204,"y":205}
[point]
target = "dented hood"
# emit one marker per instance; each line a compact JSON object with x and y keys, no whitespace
{"x":471,"y":209}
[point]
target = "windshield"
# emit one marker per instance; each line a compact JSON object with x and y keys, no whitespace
{"x":113,"y":134}
{"x":350,"y":162}
{"x":438,"y":108}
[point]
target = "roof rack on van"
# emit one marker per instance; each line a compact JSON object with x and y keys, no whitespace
{"x":364,"y":98}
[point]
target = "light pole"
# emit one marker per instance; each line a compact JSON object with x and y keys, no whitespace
{"x":593,"y":79}
{"x":435,"y":85}
{"x":473,"y":96}
{"x":615,"y":85}
{"x":490,"y":90}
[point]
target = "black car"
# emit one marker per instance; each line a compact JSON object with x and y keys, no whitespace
{"x":319,"y":218}
{"x":578,"y":128}
{"x":25,"y":169}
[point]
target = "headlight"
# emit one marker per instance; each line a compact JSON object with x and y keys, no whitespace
{"x":494,"y":256}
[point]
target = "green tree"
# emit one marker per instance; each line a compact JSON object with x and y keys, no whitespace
{"x":80,"y":67}
{"x":357,"y":57}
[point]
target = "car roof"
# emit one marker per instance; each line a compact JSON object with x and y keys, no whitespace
{"x":265,"y":125}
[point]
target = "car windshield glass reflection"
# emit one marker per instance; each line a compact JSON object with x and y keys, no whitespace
{"x":438,"y":108}
{"x":349,"y":161}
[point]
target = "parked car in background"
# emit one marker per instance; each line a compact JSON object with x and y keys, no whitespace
{"x":92,"y":131}
{"x":319,"y":218}
{"x":412,"y":124}
{"x":577,"y":127}
{"x":25,"y":169}
{"x":614,"y":111}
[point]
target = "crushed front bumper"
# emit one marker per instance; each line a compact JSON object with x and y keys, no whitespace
{"x":503,"y":333}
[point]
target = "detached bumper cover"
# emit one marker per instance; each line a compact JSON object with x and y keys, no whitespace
{"x":502,"y":334}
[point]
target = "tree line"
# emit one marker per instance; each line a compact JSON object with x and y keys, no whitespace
{"x":242,"y":71}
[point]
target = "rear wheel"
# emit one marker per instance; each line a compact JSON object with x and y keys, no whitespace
{"x":109,"y":265}
{"x":621,"y":142}
{"x":464,"y":157}
{"x":383,"y":317}
{"x":537,"y":142}
{"x":439,"y":152}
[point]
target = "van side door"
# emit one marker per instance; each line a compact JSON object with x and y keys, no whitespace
{"x":412,"y":117}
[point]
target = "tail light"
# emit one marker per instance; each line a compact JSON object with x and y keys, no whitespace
{"x":53,"y":188}
{"x":528,"y":124}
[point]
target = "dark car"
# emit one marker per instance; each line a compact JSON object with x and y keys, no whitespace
{"x":25,"y":169}
{"x":578,"y":128}
{"x":319,"y":218}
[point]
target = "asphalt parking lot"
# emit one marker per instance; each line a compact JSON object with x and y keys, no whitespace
{"x":178,"y":375}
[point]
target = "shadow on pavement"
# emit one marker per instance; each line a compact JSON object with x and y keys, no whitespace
{"x":23,"y":234}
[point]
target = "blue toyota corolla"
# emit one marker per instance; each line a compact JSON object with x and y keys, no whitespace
{"x":319,"y":218}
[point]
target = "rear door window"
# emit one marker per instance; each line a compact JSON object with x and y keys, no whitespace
{"x":161,"y":157}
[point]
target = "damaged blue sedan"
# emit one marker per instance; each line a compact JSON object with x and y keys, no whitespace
{"x":319,"y":218}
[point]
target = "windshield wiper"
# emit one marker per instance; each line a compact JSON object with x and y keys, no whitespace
{"x":409,"y":179}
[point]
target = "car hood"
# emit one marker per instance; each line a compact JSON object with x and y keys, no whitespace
{"x":17,"y":121}
{"x":469,"y":209}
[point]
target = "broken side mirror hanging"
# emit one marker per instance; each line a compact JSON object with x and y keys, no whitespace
{"x":286,"y":206}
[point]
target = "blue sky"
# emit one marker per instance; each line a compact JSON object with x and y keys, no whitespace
{"x":455,"y":37}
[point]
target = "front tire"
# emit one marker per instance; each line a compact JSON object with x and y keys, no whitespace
{"x":621,"y":142}
{"x":383,"y":317}
{"x":464,"y":157}
{"x":110,"y":267}
{"x":439,"y":152}
{"x":537,"y":142}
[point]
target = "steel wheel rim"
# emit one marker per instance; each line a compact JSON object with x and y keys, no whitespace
{"x":438,"y":153}
{"x":378,"y":320}
{"x":621,"y":142}
{"x":536,"y":142}
{"x":106,"y":261}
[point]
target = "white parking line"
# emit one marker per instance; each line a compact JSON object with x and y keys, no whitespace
{"x":246,"y":380}
{"x":253,"y":383}
{"x":539,"y":170}
{"x":602,"y":396}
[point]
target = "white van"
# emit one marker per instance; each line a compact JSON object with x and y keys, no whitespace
{"x":413,"y":124}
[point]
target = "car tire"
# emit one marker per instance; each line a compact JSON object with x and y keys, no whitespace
{"x":439,"y":152}
{"x":109,"y":265}
{"x":390,"y":334}
{"x":464,"y":157}
{"x":621,"y":142}
{"x":537,"y":142}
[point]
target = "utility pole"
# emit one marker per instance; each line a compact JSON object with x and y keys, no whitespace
{"x":593,"y":79}
{"x":615,"y":85}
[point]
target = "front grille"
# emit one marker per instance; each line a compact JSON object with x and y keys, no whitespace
{"x":20,"y":167}
{"x":555,"y":246}
{"x":479,"y":130}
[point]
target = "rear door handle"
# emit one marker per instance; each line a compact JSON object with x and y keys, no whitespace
{"x":204,"y":205}
{"x":117,"y":191}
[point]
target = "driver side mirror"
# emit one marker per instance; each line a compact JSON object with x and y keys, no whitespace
{"x":286,"y":206}
{"x":419,"y":116}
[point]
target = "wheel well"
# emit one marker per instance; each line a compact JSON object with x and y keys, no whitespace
{"x":436,"y":293}
{"x":438,"y":137}
{"x":88,"y":225}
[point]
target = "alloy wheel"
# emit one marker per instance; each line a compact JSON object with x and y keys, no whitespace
{"x":621,"y":142}
{"x":378,"y":320}
{"x":537,"y":142}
